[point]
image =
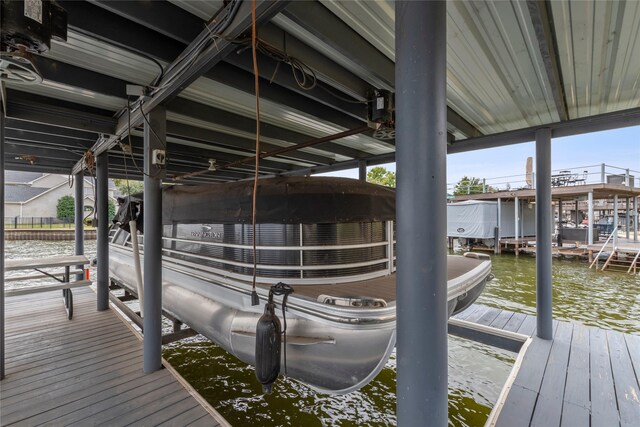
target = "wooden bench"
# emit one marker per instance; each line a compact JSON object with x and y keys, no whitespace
{"x":64,"y":283}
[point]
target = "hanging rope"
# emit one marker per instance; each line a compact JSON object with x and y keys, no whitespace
{"x":254,"y":294}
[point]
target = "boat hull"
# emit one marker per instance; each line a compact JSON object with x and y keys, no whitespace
{"x":332,"y":349}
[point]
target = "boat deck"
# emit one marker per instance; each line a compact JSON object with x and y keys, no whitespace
{"x":381,"y":287}
{"x":87,"y":370}
{"x":585,"y":376}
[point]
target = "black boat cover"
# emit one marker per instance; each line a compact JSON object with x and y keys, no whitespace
{"x":282,"y":200}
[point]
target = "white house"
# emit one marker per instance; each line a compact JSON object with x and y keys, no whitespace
{"x":32,"y":194}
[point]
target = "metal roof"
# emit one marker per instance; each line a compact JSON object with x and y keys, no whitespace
{"x":511,"y":66}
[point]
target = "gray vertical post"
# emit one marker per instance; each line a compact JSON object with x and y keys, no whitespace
{"x":577,"y":216}
{"x":2,"y":325}
{"x":544,"y":230}
{"x":154,"y":139}
{"x":102,"y":204}
{"x":627,"y":219}
{"x":362,"y":170}
{"x":615,"y":221}
{"x":484,"y":185}
{"x":499,"y":217}
{"x":560,"y":222}
{"x":79,"y":212}
{"x":627,"y":181}
{"x":602,"y":173}
{"x":591,"y":219}
{"x":516,"y":218}
{"x":635,"y":218}
{"x":421,"y":199}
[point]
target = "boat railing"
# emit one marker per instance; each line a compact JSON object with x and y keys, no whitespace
{"x":360,"y":270}
{"x":595,"y":261}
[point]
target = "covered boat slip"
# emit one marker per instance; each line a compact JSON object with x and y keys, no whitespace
{"x":467,"y":75}
{"x":86,"y":371}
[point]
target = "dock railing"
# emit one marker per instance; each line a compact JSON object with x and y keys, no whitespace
{"x":565,"y":177}
{"x":595,"y":260}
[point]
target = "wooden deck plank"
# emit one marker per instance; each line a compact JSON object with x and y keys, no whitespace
{"x":74,"y":375}
{"x":603,"y":396}
{"x":166,"y":413}
{"x":501,"y":320}
{"x":110,"y":408}
{"x":574,"y":415}
{"x":473,"y":317}
{"x":184,"y":418}
{"x":533,"y":365}
{"x":577,"y":384}
{"x":489,"y":316}
{"x":203,"y":422}
{"x":60,"y":371}
{"x":466,"y":313}
{"x":633,"y":345}
{"x":528,"y":326}
{"x":548,"y":409}
{"x":624,"y":380}
{"x":148,"y":407}
{"x":518,"y":407}
{"x":515,"y":322}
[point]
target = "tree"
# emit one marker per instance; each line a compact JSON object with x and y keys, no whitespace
{"x":470,"y":185}
{"x":65,"y":209}
{"x":127,"y":186}
{"x":112,"y":209}
{"x":381,"y":176}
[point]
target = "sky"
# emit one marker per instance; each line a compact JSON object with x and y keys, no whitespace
{"x":619,"y":148}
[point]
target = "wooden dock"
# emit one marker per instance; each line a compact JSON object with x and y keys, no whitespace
{"x":585,"y":376}
{"x":87,"y":371}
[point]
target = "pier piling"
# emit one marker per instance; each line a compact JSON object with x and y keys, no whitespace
{"x":102,"y":244}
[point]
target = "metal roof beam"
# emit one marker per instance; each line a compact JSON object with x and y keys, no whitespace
{"x":542,"y":21}
{"x":215,"y":115}
{"x":103,"y":25}
{"x":601,"y":122}
{"x":236,"y":142}
{"x":160,"y":16}
{"x":240,"y":79}
{"x":83,"y":78}
{"x":180,"y":77}
{"x":39,"y":109}
{"x":15,"y":148}
{"x":21,"y":125}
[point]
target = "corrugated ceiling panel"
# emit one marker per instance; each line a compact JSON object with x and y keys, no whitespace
{"x":201,"y":8}
{"x":496,"y":78}
{"x":599,"y":50}
{"x":92,"y":54}
{"x":72,"y":94}
{"x":209,"y":92}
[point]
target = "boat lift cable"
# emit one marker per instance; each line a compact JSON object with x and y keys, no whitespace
{"x":254,"y":295}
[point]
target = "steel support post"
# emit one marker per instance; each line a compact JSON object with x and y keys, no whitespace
{"x":635,"y":218}
{"x":602,"y":173}
{"x":154,"y":139}
{"x":577,"y":217}
{"x":499,"y":221}
{"x":615,"y":221}
{"x":78,"y":217}
{"x":560,"y":223}
{"x":516,"y":220}
{"x":102,"y":205}
{"x":627,"y":218}
{"x":421,"y":149}
{"x":591,"y":219}
{"x":2,"y":324}
{"x":544,"y":231}
{"x":362,"y":170}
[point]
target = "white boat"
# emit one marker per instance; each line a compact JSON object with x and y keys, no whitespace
{"x":330,"y":239}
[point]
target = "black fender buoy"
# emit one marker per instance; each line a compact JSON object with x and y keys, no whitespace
{"x":268,"y":341}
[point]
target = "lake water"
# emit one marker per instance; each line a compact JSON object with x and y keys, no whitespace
{"x":476,"y":372}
